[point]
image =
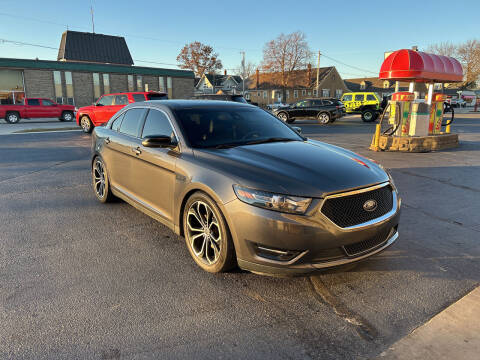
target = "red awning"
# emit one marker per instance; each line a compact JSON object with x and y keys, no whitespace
{"x":419,"y":66}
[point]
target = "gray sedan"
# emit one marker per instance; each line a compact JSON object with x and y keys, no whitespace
{"x":244,"y":188}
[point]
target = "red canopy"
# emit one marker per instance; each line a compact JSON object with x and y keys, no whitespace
{"x":420,"y":67}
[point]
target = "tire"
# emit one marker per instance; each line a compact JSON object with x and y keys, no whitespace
{"x":368,"y":115}
{"x":67,"y":116}
{"x":12,"y":117}
{"x":220,"y":254}
{"x":86,"y":124}
{"x":100,"y":181}
{"x":282,"y":115}
{"x":323,"y":118}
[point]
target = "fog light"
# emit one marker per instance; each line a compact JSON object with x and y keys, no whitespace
{"x":275,"y":254}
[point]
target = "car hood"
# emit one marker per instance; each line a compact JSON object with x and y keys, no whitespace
{"x":310,"y":168}
{"x":86,"y":108}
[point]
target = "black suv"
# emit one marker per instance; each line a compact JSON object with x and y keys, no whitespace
{"x":223,"y":97}
{"x":325,"y":110}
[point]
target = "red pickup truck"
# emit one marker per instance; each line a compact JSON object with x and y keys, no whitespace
{"x":107,"y":105}
{"x":36,"y":108}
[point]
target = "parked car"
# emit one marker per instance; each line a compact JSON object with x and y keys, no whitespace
{"x":222,"y":97}
{"x":107,"y":105}
{"x":324,"y":110}
{"x":34,"y":108}
{"x":243,"y":187}
{"x":368,"y":104}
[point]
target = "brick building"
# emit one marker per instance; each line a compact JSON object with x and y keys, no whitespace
{"x":264,"y":88}
{"x":88,"y":66}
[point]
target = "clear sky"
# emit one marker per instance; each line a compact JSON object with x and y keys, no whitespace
{"x":356,"y":32}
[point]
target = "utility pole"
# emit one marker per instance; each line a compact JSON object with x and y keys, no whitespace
{"x":243,"y":72}
{"x":93,"y":22}
{"x":318,"y":72}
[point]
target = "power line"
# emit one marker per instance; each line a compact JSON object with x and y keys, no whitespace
{"x":350,"y":66}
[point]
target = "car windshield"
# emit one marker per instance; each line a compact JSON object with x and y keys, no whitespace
{"x":157,"y":97}
{"x":226,"y":127}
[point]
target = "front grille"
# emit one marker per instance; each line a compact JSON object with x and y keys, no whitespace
{"x":367,"y":245}
{"x":348,"y":210}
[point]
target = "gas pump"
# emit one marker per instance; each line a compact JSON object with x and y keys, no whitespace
{"x":415,"y":124}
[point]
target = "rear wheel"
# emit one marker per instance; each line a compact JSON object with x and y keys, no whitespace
{"x":323,"y":118}
{"x":12,"y":117}
{"x":100,"y":181}
{"x":86,"y":124}
{"x":67,"y":116}
{"x":368,"y":115}
{"x":206,"y":234}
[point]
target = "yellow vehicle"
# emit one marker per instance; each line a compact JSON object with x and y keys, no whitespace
{"x":368,"y":104}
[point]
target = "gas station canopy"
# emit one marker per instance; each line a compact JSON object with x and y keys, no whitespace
{"x":410,"y":65}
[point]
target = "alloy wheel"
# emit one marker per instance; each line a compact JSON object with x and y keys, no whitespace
{"x":13,"y":118}
{"x":368,"y":116}
{"x":85,"y":124}
{"x":99,"y":179}
{"x":282,"y":116}
{"x":203,"y":232}
{"x":324,"y":118}
{"x":67,"y":116}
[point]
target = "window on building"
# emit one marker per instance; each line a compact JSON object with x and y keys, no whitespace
{"x":338,"y":93}
{"x":386,"y":84}
{"x":362,"y":86}
{"x":131,"y":122}
{"x":315,"y":92}
{"x":130,"y":83}
{"x":106,"y":83}
{"x":139,"y":83}
{"x":169,"y":87}
{"x":287,"y":93}
{"x":157,"y":124}
{"x":258,"y":94}
{"x":11,"y":86}
{"x":304,"y":92}
{"x":69,"y":87}
{"x":295,"y":93}
{"x":96,"y":85}
{"x":309,"y":93}
{"x":247,"y":96}
{"x":57,"y":81}
{"x":325,"y":92}
{"x":265,"y":94}
{"x":161,"y":84}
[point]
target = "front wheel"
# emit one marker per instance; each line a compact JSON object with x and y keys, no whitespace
{"x":67,"y":116}
{"x":12,"y":118}
{"x":368,"y":115}
{"x":86,"y":124}
{"x":284,"y":117}
{"x":323,"y":118}
{"x":206,"y":234}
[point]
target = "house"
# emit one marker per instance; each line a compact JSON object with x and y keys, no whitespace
{"x":212,"y":83}
{"x":265,"y":88}
{"x":88,"y":66}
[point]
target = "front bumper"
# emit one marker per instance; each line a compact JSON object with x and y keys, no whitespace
{"x":271,"y":242}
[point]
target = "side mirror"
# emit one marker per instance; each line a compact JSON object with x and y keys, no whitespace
{"x":297,"y":129}
{"x":158,"y":141}
{"x":98,"y":104}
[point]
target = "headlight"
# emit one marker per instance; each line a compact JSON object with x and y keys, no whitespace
{"x":277,"y":202}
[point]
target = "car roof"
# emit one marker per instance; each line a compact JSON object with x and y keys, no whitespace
{"x":135,"y":92}
{"x":194,"y":104}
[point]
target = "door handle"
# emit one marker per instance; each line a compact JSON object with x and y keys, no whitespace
{"x":137,"y":150}
{"x":107,"y":140}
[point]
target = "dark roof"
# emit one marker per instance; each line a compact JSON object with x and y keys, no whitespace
{"x":189,"y":104}
{"x":300,"y":79}
{"x":374,"y":84}
{"x":90,"y":47}
{"x":91,"y":67}
{"x":219,"y":79}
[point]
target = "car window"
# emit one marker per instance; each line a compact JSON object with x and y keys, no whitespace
{"x":156,"y":97}
{"x":157,"y":123}
{"x":46,"y":102}
{"x":359,"y":97}
{"x":131,"y":122}
{"x":327,"y":102}
{"x":317,"y":102}
{"x":371,"y":97}
{"x":121,"y":100}
{"x":106,"y":100}
{"x":301,"y":104}
{"x":347,"y":97}
{"x":138,"y":97}
{"x":33,"y":102}
{"x":210,"y":127}
{"x":117,"y":122}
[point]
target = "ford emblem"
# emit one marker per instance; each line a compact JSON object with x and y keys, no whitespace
{"x":370,"y":205}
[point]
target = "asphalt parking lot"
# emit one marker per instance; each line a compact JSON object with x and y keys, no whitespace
{"x":79,"y":279}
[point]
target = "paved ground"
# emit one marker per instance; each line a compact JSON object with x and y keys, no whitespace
{"x":36,"y":125}
{"x":83,"y":280}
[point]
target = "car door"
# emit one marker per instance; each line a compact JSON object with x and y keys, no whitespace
{"x":104,"y":109}
{"x":299,"y":110}
{"x":315,"y":108}
{"x":154,"y":168}
{"x":50,"y":109}
{"x":358,"y":100}
{"x":33,"y":109}
{"x":347,"y":100}
{"x":121,"y":149}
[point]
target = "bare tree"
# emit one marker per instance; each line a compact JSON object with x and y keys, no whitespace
{"x":199,"y":58}
{"x":444,"y":48}
{"x":249,"y":70}
{"x":284,"y":55}
{"x":468,"y":53}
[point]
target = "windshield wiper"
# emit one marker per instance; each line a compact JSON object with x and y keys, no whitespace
{"x":268,"y":140}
